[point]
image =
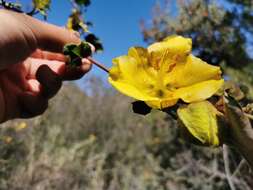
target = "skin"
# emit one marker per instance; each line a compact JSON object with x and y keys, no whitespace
{"x":32,"y":67}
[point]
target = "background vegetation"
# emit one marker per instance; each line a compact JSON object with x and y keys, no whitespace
{"x":92,"y":140}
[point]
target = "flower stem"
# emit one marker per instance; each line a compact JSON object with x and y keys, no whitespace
{"x":98,"y":64}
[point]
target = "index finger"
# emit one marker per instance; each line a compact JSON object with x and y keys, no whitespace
{"x":46,"y":55}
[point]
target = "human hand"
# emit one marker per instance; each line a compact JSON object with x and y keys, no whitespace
{"x":32,"y":67}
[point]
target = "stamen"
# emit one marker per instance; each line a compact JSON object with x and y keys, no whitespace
{"x":160,"y":93}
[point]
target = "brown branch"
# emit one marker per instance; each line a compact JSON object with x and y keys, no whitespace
{"x":101,"y":66}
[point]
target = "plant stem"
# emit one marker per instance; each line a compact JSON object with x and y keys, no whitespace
{"x":101,"y":66}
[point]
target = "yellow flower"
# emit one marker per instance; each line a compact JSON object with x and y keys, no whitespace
{"x":164,"y":73}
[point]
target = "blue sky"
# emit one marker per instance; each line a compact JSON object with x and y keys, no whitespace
{"x":116,"y":23}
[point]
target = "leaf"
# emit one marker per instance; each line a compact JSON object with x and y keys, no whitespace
{"x":91,"y":38}
{"x":200,"y":119}
{"x":83,"y":2}
{"x":77,"y":52}
{"x":76,"y":22}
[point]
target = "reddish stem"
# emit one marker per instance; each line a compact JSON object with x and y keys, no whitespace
{"x":98,"y":64}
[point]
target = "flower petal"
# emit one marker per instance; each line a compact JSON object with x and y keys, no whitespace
{"x":131,"y":90}
{"x":161,"y":104}
{"x":140,"y":54}
{"x":199,"y":91}
{"x":175,"y":44}
{"x":177,"y":48}
{"x":130,"y":77}
{"x":200,"y":120}
{"x":193,"y":71}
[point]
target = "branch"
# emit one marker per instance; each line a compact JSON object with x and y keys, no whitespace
{"x":34,"y":11}
{"x":239,"y":167}
{"x":10,"y":6}
{"x":217,"y":173}
{"x":227,"y":168}
{"x":101,"y":66}
{"x":14,"y":7}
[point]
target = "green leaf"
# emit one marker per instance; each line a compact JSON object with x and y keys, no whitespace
{"x":77,"y":52}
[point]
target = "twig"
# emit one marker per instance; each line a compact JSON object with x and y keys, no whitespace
{"x":217,"y":173}
{"x":34,"y":11}
{"x":10,"y":6}
{"x":227,"y":168}
{"x":74,"y":5}
{"x":101,"y":66}
{"x":239,"y":167}
{"x":14,"y":7}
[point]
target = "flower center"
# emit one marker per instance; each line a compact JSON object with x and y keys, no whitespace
{"x":160,"y":93}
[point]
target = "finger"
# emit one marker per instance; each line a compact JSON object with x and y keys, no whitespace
{"x":49,"y":80}
{"x":60,"y":68}
{"x":32,"y":65}
{"x":93,"y":49}
{"x":47,"y":55}
{"x":32,"y":105}
{"x":39,"y":54}
{"x":53,"y":38}
{"x":49,"y":37}
{"x":33,"y":86}
{"x":77,"y":72}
